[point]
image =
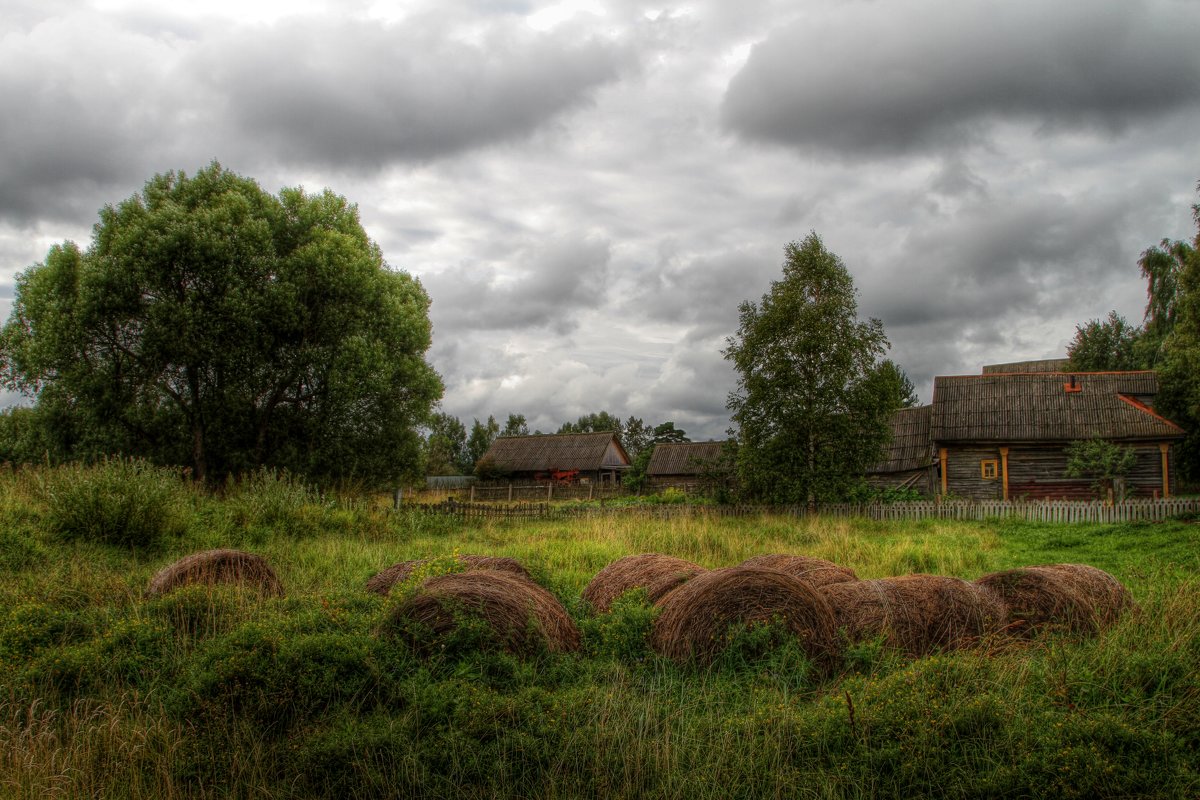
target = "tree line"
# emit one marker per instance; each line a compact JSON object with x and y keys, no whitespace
{"x":450,"y":449}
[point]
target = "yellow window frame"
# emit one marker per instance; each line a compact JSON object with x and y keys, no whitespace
{"x":989,"y":469}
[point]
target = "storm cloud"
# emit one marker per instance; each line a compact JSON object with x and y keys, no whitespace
{"x":588,"y":190}
{"x":888,"y":78}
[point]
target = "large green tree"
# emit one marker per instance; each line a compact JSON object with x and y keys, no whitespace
{"x":212,"y":324}
{"x":811,"y":406}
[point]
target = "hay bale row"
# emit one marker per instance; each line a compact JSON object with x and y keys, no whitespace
{"x":814,"y":599}
{"x":522,"y":616}
{"x":212,"y":567}
{"x":381,"y":583}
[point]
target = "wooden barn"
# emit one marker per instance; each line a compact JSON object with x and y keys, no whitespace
{"x":1004,"y":435}
{"x":682,"y":465}
{"x":908,"y":461}
{"x":562,"y":457}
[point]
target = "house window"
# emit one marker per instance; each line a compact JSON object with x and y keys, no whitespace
{"x":989,"y":470}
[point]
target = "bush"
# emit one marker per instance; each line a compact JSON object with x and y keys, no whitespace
{"x":124,"y":502}
{"x":265,"y":502}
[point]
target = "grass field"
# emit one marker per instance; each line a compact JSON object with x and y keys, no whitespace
{"x":212,"y":693}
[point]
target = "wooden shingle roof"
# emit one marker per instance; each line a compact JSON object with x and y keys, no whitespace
{"x":1042,"y":365}
{"x":910,"y":447}
{"x":1030,"y":407}
{"x":683,"y":458}
{"x":565,"y":451}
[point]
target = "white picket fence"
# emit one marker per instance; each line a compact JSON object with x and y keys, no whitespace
{"x":1068,"y":511}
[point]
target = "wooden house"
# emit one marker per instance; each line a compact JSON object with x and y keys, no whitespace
{"x":908,"y":459}
{"x":563,"y":457}
{"x":1004,"y":435}
{"x":681,"y":464}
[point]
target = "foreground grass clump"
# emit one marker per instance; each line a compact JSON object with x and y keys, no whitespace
{"x":210,"y":691}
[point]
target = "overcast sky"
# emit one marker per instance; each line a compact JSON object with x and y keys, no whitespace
{"x":587,"y":190}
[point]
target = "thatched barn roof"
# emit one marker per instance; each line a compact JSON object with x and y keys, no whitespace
{"x":1042,"y":365}
{"x":1047,"y":407}
{"x":910,"y":447}
{"x":566,"y":451}
{"x":683,"y":458}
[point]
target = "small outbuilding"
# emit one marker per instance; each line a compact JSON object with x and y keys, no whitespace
{"x":682,"y":465}
{"x":908,"y":460}
{"x":560,"y":458}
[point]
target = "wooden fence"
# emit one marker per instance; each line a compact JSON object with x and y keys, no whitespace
{"x":538,"y":492}
{"x":1050,"y":511}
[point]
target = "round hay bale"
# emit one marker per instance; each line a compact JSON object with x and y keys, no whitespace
{"x":816,"y":572}
{"x":696,"y":617}
{"x":1108,"y":596}
{"x":917,"y":614}
{"x":382,"y":582}
{"x":1037,"y":598}
{"x":232,"y":567}
{"x":522,"y":616}
{"x":656,"y":573}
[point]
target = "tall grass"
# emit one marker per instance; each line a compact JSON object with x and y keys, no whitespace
{"x":208,"y":692}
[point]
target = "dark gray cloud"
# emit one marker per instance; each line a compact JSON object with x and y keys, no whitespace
{"x":886,"y":78}
{"x":544,"y":285}
{"x":363,"y":95}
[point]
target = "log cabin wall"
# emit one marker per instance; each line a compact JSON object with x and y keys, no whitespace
{"x":1038,"y":472}
{"x":964,"y":477}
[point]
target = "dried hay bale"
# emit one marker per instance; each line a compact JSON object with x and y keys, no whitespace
{"x":1037,"y":598}
{"x":1108,"y":596}
{"x":521,"y":615}
{"x":382,"y":582}
{"x":211,"y":567}
{"x":917,"y":614}
{"x":695,"y":618}
{"x":656,"y":573}
{"x":816,"y":572}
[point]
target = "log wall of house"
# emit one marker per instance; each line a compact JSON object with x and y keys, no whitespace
{"x":963,"y":477}
{"x":1038,"y":472}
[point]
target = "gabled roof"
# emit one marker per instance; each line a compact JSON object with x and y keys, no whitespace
{"x":683,"y":458}
{"x":1041,"y":365}
{"x":565,"y":451}
{"x":910,"y":447}
{"x":1026,"y":407}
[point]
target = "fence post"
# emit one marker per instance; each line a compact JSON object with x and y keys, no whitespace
{"x":549,"y":491}
{"x":472,"y":493}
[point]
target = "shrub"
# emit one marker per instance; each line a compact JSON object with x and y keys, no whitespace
{"x":266,"y":502}
{"x":124,"y":502}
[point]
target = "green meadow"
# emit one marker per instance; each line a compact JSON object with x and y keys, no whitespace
{"x":212,"y":692}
